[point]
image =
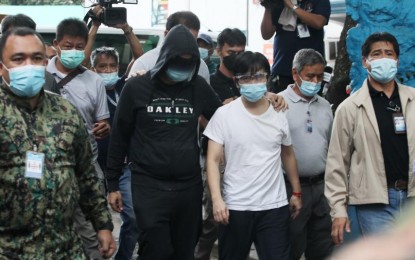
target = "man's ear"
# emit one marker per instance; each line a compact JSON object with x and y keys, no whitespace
{"x":219,"y":51}
{"x":364,"y":62}
{"x":294,"y":73}
{"x":55,"y":44}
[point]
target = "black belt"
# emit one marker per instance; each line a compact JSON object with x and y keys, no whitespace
{"x":312,"y":179}
{"x":399,"y":184}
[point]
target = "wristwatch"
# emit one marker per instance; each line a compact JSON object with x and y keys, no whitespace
{"x":295,"y":7}
{"x":129,"y":30}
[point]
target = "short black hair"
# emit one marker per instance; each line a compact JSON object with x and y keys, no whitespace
{"x":251,"y":62}
{"x":186,"y":18}
{"x":18,"y":20}
{"x":379,"y":37}
{"x":19,"y":31}
{"x":233,"y":37}
{"x":72,"y":27}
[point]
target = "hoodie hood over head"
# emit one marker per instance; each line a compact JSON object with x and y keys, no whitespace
{"x":179,"y":41}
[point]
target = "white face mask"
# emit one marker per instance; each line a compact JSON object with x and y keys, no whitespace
{"x":26,"y":81}
{"x":383,"y":70}
{"x":309,"y":88}
{"x":109,"y":78}
{"x":204,"y":53}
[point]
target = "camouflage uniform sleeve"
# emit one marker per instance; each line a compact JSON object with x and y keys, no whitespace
{"x":91,"y":200}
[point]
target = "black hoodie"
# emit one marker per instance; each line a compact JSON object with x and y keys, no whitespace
{"x":156,"y":124}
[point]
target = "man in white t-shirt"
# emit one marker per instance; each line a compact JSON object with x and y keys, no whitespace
{"x":255,"y":140}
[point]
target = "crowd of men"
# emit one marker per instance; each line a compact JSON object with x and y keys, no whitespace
{"x":189,"y":151}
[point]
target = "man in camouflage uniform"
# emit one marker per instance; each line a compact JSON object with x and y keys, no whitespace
{"x":45,"y":161}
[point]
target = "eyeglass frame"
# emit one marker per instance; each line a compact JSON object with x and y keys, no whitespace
{"x":252,"y":77}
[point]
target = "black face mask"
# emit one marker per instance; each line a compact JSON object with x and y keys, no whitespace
{"x":229,"y":62}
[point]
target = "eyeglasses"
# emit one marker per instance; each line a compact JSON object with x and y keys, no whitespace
{"x":258,"y":77}
{"x":105,"y":49}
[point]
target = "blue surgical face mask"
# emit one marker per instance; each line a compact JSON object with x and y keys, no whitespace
{"x":204,"y":53}
{"x":253,"y":92}
{"x":109,"y":79}
{"x":383,"y":70}
{"x":26,"y":81}
{"x":72,"y":58}
{"x":178,"y":75}
{"x":309,"y":88}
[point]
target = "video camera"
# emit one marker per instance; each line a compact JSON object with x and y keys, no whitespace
{"x":111,"y":15}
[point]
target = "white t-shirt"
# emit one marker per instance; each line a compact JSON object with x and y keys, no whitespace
{"x":148,"y":60}
{"x":253,"y":178}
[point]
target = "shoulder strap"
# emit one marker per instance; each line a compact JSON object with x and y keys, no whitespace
{"x":70,"y":76}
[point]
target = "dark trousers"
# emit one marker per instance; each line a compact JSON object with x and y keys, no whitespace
{"x":279,"y":83}
{"x":169,"y":222}
{"x":209,"y":233}
{"x":268,"y":229}
{"x":310,"y":231}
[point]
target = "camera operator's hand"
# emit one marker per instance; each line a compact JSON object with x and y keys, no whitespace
{"x":127,"y":29}
{"x":136,"y":48}
{"x":97,"y":11}
{"x":123,"y":26}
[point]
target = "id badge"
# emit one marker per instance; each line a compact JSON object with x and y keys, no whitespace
{"x":399,"y":123}
{"x":309,"y":126}
{"x":34,"y":165}
{"x":303,"y":31}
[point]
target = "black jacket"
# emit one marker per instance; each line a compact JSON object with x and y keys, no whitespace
{"x":156,"y":124}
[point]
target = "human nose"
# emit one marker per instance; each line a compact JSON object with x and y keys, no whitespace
{"x":315,"y":79}
{"x":107,"y":69}
{"x":30,"y":61}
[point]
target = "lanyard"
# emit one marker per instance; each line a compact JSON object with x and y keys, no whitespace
{"x":112,"y":101}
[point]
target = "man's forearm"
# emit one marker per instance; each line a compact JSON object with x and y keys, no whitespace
{"x":213,"y":176}
{"x":135,"y":45}
{"x":290,"y":166}
{"x":267,"y":28}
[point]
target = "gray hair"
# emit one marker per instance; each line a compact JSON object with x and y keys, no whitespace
{"x":307,"y":57}
{"x":110,"y":51}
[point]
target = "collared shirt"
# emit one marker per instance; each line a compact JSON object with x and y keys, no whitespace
{"x":225,"y":87}
{"x":394,"y":146}
{"x":36,"y":215}
{"x":310,"y":147}
{"x":87,"y":93}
